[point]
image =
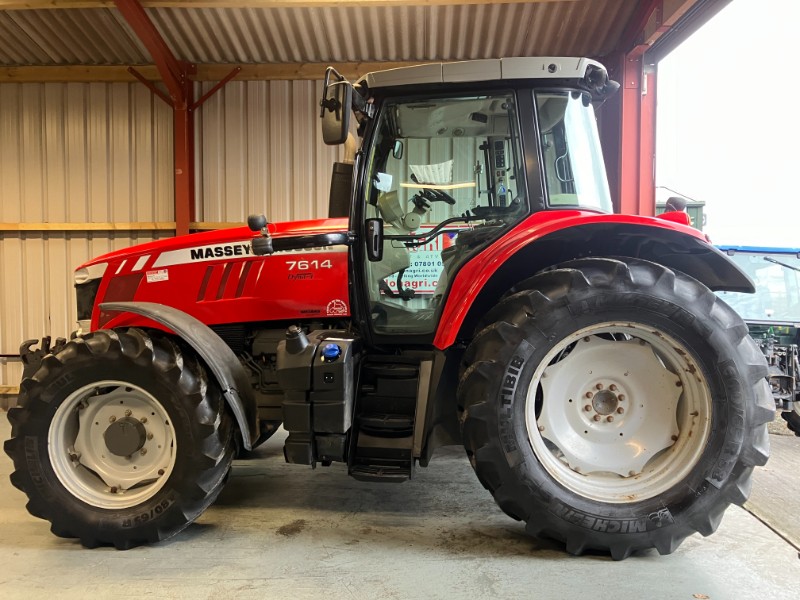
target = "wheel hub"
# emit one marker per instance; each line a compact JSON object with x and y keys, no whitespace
{"x":112,"y":444}
{"x":605,"y":402}
{"x":627,"y":408}
{"x":125,"y":436}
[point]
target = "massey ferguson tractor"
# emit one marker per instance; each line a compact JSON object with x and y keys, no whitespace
{"x":471,"y":286}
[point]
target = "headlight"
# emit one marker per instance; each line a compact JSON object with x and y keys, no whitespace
{"x":85,"y":274}
{"x":87,"y":282}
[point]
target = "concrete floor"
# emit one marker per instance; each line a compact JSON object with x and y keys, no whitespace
{"x":283,"y":531}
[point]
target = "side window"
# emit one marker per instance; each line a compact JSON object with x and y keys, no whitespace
{"x":446,"y":177}
{"x":573,"y":160}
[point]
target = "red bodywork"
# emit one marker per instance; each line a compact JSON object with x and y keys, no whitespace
{"x":214,"y":277}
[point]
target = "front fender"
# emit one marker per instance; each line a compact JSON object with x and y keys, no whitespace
{"x":223,"y":363}
{"x":549,"y":238}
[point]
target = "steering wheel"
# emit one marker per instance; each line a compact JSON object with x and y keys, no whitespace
{"x":422,"y":199}
{"x":437,"y":196}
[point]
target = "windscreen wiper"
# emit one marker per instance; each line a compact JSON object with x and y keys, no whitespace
{"x":777,"y":262}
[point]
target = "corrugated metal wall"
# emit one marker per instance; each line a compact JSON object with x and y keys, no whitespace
{"x":72,"y":153}
{"x":260,"y":150}
{"x":103,"y":153}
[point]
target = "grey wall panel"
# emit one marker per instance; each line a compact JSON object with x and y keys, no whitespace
{"x":84,"y":153}
{"x":72,"y":153}
{"x":259,"y":149}
{"x":37,"y":296}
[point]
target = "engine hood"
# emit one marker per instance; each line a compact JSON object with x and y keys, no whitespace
{"x":221,"y":236}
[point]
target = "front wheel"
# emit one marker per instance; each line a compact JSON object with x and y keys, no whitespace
{"x":120,"y":438}
{"x":615,"y":405}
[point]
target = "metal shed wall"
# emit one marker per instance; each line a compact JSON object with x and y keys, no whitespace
{"x":72,"y":153}
{"x":76,"y":153}
{"x":260,"y":150}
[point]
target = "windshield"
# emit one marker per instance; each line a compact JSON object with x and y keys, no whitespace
{"x":777,"y":280}
{"x":573,"y":160}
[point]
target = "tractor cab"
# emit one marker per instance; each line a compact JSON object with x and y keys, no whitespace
{"x":452,"y":156}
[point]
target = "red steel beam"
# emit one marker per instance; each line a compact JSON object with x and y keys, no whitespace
{"x":637,"y":136}
{"x":636,"y":166}
{"x":175,"y":74}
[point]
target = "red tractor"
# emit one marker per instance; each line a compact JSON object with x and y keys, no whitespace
{"x":479,"y":292}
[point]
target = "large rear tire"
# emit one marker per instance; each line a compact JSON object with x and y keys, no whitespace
{"x":120,"y":439}
{"x":615,"y":405}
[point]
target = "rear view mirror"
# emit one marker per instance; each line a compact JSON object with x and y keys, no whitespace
{"x":335,"y":107}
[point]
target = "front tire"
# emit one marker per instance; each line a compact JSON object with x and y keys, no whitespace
{"x":615,"y":405}
{"x":120,"y":438}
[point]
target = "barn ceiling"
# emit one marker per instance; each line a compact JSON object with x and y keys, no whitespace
{"x":287,"y":34}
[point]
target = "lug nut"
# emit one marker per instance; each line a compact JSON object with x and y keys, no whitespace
{"x":586,"y":339}
{"x":112,"y":418}
{"x":114,"y":490}
{"x":674,"y":438}
{"x":678,"y":384}
{"x":143,"y":420}
{"x":587,"y":408}
{"x":149,"y":436}
{"x":631,"y":473}
{"x":610,"y":419}
{"x":621,"y":396}
{"x":161,"y":471}
{"x":612,"y":387}
{"x":596,"y":417}
{"x":143,"y":451}
{"x":620,"y":410}
{"x":599,"y":386}
{"x":589,"y":394}
{"x":541,"y":427}
{"x":128,"y":412}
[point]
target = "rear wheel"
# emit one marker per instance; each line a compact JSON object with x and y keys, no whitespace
{"x":120,"y":439}
{"x":615,"y":406}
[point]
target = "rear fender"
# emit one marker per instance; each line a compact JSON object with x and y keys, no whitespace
{"x":500,"y":267}
{"x":223,"y":363}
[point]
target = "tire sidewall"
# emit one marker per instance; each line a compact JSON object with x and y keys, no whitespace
{"x":713,"y":354}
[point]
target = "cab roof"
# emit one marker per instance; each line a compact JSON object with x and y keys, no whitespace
{"x":544,"y":67}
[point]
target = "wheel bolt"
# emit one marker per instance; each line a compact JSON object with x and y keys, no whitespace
{"x":610,"y":419}
{"x":596,"y":417}
{"x":128,"y":412}
{"x":143,"y":451}
{"x":149,"y":436}
{"x":589,"y":394}
{"x":599,"y":386}
{"x":620,"y":410}
{"x":612,"y":387}
{"x":587,"y":408}
{"x":112,"y":418}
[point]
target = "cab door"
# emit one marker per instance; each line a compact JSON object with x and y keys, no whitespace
{"x":445,"y":176}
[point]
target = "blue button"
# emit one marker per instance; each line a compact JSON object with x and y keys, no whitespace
{"x":330,"y":352}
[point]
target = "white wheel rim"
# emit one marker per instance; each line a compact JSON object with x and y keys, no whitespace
{"x":625,"y":412}
{"x":88,"y":467}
